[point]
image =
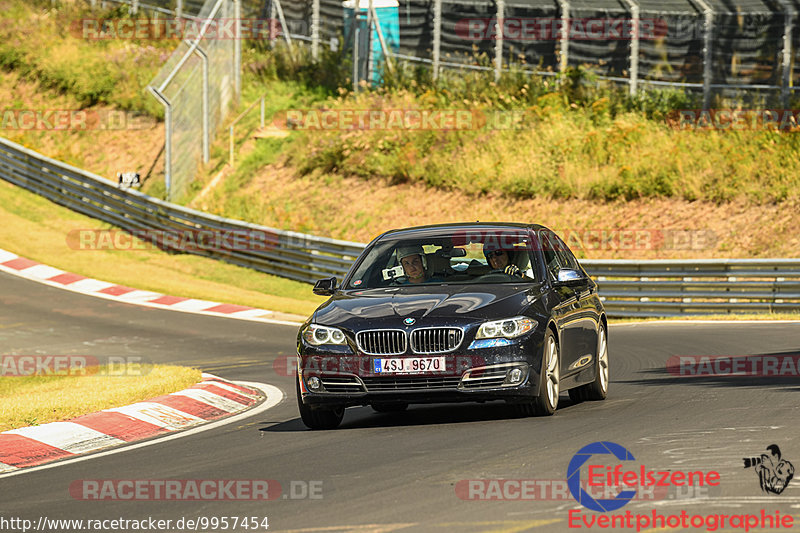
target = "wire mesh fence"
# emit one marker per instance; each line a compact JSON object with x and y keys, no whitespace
{"x":724,"y":49}
{"x":200,"y":80}
{"x":197,"y":85}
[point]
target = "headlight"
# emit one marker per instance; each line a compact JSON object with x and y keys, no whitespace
{"x":320,"y":335}
{"x":510,"y":328}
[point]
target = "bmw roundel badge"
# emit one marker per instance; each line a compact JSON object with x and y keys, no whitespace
{"x":409,"y":321}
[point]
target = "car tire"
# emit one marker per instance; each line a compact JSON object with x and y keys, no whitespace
{"x":546,"y":403}
{"x":597,"y":389}
{"x":389,"y":407}
{"x":320,"y":418}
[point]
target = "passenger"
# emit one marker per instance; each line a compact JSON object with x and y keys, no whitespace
{"x":499,"y":260}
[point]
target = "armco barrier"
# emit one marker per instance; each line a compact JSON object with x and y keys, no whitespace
{"x":290,"y":255}
{"x":629,"y":288}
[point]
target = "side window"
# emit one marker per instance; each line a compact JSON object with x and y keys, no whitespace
{"x":565,"y":256}
{"x":549,"y":249}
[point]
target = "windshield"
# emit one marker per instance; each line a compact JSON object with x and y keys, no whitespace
{"x":458,"y":256}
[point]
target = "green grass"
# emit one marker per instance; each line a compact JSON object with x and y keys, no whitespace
{"x":576,"y":139}
{"x":43,"y":44}
{"x":36,"y":400}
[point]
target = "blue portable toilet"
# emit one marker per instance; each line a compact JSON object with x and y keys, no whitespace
{"x":389,"y":19}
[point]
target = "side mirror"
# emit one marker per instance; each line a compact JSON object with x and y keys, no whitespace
{"x":568,"y":276}
{"x":325,"y":287}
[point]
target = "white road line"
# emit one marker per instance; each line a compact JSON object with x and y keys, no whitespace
{"x":274,"y":397}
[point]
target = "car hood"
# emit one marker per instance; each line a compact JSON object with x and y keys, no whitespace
{"x":445,"y":302}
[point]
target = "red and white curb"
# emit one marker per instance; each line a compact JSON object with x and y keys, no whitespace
{"x":27,"y":268}
{"x":211,"y":399}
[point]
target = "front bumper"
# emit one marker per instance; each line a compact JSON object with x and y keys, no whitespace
{"x":469,"y":376}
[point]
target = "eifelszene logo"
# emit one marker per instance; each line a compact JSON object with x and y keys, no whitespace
{"x":616,"y":482}
{"x":774,"y":473}
{"x":616,"y":477}
{"x":574,"y":477}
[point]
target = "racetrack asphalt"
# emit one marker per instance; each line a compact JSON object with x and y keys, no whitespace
{"x":399,"y":472}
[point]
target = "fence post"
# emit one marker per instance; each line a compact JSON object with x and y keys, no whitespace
{"x":564,"y":38}
{"x":284,"y":26}
{"x":179,"y":10}
{"x":315,"y":30}
{"x":370,"y":22}
{"x":635,"y":35}
{"x":437,"y":36}
{"x":237,"y":52}
{"x":786,"y":63}
{"x":708,"y":27}
{"x":384,"y":47}
{"x":356,"y":31}
{"x":205,"y":107}
{"x":167,"y":139}
{"x":134,"y":7}
{"x":273,"y":15}
{"x":498,"y":44}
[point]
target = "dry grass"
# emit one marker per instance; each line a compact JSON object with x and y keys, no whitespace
{"x":560,"y":150}
{"x":355,"y":209}
{"x":35,"y":400}
{"x":103,"y":152}
{"x":734,"y":317}
{"x":34,"y":227}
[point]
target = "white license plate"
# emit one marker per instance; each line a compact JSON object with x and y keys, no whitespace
{"x":409,"y":365}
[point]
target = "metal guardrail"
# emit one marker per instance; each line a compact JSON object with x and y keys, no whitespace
{"x":629,"y":288}
{"x":699,"y":286}
{"x":288,"y":254}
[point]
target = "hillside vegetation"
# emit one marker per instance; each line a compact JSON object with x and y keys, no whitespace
{"x":580,"y":156}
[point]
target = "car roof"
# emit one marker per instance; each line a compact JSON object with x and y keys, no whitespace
{"x":423,"y":230}
{"x":464,"y":225}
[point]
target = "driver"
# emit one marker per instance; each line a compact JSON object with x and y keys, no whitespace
{"x":412,"y":259}
{"x":499,"y":259}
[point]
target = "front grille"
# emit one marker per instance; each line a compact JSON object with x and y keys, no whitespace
{"x":485,"y":378}
{"x":435,"y":340}
{"x":341,"y":384}
{"x":382,"y":341}
{"x":415,"y":383}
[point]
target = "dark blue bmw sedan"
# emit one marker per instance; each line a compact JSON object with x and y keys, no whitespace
{"x":454,"y":313}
